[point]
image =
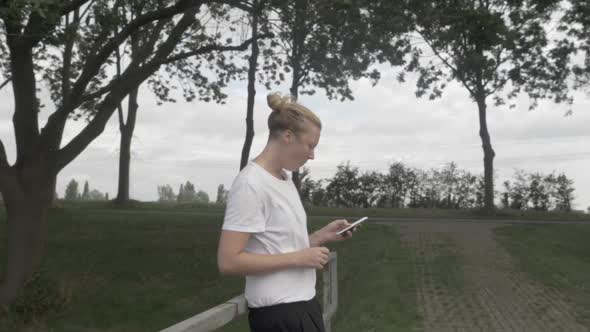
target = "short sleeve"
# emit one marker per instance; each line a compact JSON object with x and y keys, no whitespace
{"x":244,"y":211}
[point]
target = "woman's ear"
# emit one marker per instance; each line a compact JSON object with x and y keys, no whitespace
{"x":288,"y":136}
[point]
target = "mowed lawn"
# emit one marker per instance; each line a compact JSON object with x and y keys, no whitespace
{"x":146,"y":269}
{"x":558,"y":256}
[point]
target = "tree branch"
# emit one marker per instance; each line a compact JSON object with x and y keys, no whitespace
{"x":212,"y":48}
{"x":72,"y":6}
{"x":38,"y":26}
{"x":119,"y":107}
{"x":3,"y":158}
{"x":243,"y":5}
{"x":181,"y":56}
{"x":461,"y":78}
{"x":5,"y":82}
{"x":131,"y":78}
{"x":93,"y":65}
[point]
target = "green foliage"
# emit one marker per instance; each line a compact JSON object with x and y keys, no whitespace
{"x":538,"y":191}
{"x":201,"y":197}
{"x":448,"y":187}
{"x":42,"y":294}
{"x":186,"y":192}
{"x":327,"y":44}
{"x":343,"y":186}
{"x":576,"y":24}
{"x":486,"y":45}
{"x":86,"y":192}
{"x":166,"y":194}
{"x":72,"y":192}
{"x":221,"y":195}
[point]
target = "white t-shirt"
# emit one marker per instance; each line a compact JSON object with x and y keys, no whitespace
{"x":270,"y":209}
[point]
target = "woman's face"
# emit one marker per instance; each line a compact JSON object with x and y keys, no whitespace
{"x":299,"y":148}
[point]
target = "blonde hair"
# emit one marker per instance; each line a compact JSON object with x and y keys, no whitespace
{"x":288,"y":114}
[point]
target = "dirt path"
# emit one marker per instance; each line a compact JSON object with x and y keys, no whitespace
{"x":485,"y":292}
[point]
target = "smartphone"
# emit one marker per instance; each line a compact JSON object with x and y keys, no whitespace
{"x":353,"y":225}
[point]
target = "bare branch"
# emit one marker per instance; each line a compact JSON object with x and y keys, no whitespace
{"x":211,"y":48}
{"x":3,"y":158}
{"x":93,"y":65}
{"x":446,"y":62}
{"x":72,"y":6}
{"x":38,"y":25}
{"x":243,"y":5}
{"x":131,"y":78}
{"x":119,"y":107}
{"x":5,"y":82}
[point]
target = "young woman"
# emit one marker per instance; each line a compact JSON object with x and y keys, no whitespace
{"x":264,"y":235}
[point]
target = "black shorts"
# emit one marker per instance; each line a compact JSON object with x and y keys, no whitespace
{"x":304,"y":316}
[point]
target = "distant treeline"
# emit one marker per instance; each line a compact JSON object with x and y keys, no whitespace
{"x":188,"y":193}
{"x":72,"y":193}
{"x":448,"y":187}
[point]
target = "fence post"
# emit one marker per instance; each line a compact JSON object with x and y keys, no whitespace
{"x":330,"y":281}
{"x":216,"y":317}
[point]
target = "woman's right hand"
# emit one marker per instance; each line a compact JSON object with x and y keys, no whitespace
{"x":314,"y":257}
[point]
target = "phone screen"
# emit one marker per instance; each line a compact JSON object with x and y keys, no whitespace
{"x":353,"y":225}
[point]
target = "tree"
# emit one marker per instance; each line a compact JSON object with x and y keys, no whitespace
{"x":326,"y":45}
{"x":72,"y":192}
{"x":395,"y":185}
{"x":166,"y":194}
{"x":221,"y":195}
{"x":307,"y":185}
{"x":538,"y":191}
{"x":537,"y":194}
{"x":180,"y":196}
{"x":486,"y":46}
{"x":257,"y":15}
{"x":369,"y":190}
{"x":186,"y":193}
{"x":576,"y":24}
{"x":565,"y":195}
{"x":96,"y":195}
{"x":319,"y":197}
{"x":201,"y":197}
{"x":342,"y":191}
{"x":86,"y":192}
{"x":518,"y":191}
{"x":35,"y":34}
{"x":194,"y":83}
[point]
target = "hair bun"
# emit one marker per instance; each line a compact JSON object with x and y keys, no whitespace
{"x":277,"y":102}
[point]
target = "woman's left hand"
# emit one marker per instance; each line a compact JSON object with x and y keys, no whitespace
{"x":329,"y":231}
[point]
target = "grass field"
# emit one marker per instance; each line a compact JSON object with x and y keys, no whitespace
{"x":148,"y":266}
{"x":145,"y":269}
{"x":558,"y":256}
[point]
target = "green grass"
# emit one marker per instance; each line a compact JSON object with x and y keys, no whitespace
{"x":446,"y":266}
{"x":137,"y":269}
{"x":557,"y":256}
{"x":376,"y":283}
{"x":507,"y":214}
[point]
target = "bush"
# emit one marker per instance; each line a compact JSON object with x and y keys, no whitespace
{"x":41,"y":295}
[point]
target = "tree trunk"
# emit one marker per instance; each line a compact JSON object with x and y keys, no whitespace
{"x":126,"y":130}
{"x":294,"y":92}
{"x":296,"y":59}
{"x":253,"y":62}
{"x":488,"y":159}
{"x":28,"y":186}
{"x":27,"y":202}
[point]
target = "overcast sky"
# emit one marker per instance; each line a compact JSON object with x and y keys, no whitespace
{"x":202,"y":142}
